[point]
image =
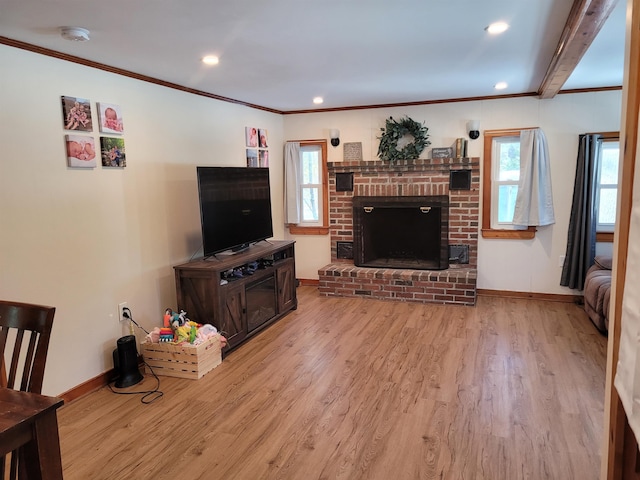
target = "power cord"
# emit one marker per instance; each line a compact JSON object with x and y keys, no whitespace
{"x":196,"y":252}
{"x":126,"y":313}
{"x":148,"y":396}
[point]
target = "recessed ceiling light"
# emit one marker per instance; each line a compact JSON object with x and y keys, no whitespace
{"x":210,"y":60}
{"x":318,"y":100}
{"x":497,"y":27}
{"x":500,"y":85}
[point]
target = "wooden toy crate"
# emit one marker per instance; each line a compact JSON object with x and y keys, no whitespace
{"x":183,"y":361}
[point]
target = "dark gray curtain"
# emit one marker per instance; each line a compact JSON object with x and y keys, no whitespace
{"x":581,"y":238}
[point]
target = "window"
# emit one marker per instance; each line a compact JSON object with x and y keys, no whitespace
{"x":314,"y":191}
{"x":607,"y":189}
{"x":311,"y":185}
{"x":505,"y":175}
{"x":501,"y":173}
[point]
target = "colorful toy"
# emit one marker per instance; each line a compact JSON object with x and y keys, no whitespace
{"x":181,"y":334}
{"x":168,"y":313}
{"x":166,"y":335}
{"x":179,"y":329}
{"x":175,"y":319}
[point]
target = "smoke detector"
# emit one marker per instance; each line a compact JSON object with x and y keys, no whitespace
{"x":75,"y":34}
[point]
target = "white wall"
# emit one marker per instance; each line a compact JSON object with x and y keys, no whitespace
{"x":85,"y":240}
{"x":512,"y":265}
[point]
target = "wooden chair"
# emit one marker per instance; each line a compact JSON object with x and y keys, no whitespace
{"x":23,"y":325}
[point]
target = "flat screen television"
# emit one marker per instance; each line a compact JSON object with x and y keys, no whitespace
{"x":235,"y":207}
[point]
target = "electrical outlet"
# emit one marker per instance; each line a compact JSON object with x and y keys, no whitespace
{"x":561,"y":261}
{"x":121,"y":306}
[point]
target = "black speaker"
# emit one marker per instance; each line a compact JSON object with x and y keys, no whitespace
{"x":125,"y":360}
{"x":460,"y":180}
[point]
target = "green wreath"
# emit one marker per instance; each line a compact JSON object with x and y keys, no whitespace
{"x":394,"y":131}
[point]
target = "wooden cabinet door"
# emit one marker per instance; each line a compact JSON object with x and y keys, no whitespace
{"x":232,"y":318}
{"x":287,"y":299}
{"x":196,"y":294}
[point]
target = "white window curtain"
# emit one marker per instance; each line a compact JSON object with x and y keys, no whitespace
{"x":292,"y":183}
{"x":534,"y":203}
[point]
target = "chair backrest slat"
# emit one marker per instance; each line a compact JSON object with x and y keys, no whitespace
{"x":15,"y":357}
{"x":4,"y":332}
{"x":29,"y":362}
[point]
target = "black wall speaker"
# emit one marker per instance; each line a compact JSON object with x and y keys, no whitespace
{"x":460,"y":180}
{"x":125,"y":360}
{"x":344,"y":182}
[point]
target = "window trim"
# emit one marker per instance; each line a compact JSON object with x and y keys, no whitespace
{"x":324,"y":228}
{"x":486,"y":230}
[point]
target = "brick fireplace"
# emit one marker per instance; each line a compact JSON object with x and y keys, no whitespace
{"x":413,"y":178}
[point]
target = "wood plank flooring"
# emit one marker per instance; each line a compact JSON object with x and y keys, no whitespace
{"x":346,"y":388}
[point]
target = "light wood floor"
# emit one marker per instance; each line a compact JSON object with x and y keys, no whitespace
{"x":351,"y":389}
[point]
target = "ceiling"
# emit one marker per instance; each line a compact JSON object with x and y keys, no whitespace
{"x":280,"y":54}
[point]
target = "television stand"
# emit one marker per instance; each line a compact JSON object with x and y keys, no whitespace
{"x":240,"y":294}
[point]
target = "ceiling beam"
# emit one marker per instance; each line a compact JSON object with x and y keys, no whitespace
{"x":583,"y":24}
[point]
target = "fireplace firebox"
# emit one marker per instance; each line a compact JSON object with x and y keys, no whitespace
{"x":401,"y":232}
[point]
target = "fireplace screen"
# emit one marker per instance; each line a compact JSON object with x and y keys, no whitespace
{"x":401,"y":232}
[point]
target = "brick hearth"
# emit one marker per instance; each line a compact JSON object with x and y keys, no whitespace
{"x":421,"y":177}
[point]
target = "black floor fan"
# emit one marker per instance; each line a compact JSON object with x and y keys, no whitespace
{"x":125,"y":361}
